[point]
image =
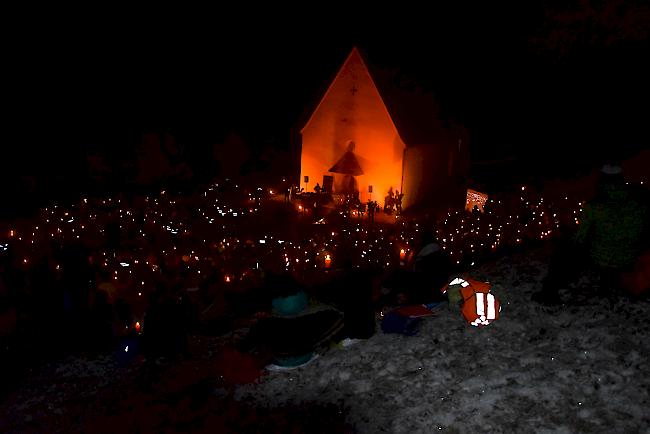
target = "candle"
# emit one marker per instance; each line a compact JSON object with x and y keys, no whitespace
{"x":328,"y":261}
{"x":402,"y":254}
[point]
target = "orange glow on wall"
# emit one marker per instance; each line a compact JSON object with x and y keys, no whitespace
{"x":353,"y":115}
{"x":368,"y":130}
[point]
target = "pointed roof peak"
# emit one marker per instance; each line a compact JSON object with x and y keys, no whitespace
{"x":412,"y":109}
{"x":355,"y":51}
{"x":359,"y":51}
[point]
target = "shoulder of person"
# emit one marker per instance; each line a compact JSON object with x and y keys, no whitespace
{"x":429,"y":249}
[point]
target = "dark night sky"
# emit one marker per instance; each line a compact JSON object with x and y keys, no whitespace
{"x":524,"y":77}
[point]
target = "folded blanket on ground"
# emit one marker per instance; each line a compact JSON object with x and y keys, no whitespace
{"x":406,"y":319}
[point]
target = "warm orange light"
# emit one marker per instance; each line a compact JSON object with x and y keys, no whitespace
{"x":227,"y":279}
{"x":402,"y":254}
{"x":334,"y":125}
{"x":475,"y":198}
{"x":328,"y":261}
{"x":137,"y":326}
{"x":12,"y":233}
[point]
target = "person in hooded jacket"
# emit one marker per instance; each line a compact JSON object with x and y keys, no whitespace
{"x":611,"y":233}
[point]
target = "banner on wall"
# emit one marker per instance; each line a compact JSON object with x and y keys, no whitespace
{"x":475,"y":198}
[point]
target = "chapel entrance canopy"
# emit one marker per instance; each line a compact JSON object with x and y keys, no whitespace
{"x":348,"y":163}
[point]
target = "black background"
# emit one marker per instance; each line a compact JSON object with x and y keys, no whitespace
{"x":555,"y":81}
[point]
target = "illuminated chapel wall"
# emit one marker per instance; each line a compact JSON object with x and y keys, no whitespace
{"x":352,"y":110}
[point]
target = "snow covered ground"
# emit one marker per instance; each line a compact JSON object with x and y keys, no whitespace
{"x":582,"y":368}
{"x":578,"y":368}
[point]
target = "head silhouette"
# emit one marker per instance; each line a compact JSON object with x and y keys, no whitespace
{"x":428,"y":237}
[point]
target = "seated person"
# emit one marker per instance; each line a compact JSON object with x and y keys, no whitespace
{"x":290,"y":335}
{"x":351,"y":291}
{"x":426,"y":273}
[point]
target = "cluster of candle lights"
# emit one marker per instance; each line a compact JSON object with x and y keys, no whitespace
{"x":201,"y":234}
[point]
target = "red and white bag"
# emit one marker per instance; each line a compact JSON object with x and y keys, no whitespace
{"x":478,"y":305}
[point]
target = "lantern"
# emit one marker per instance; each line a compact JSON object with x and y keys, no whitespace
{"x":227,"y":279}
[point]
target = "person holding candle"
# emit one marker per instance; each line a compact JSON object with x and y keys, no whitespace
{"x":351,"y":290}
{"x":426,"y":272}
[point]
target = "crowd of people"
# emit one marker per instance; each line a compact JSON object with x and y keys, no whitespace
{"x":106,"y":268}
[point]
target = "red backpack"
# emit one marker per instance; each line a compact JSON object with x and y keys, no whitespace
{"x":478,"y":306}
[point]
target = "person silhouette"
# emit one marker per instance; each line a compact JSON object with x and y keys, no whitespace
{"x":371,"y":211}
{"x":398,"y":201}
{"x":610,"y":236}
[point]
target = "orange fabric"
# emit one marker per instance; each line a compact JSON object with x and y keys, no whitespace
{"x":476,"y":309}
